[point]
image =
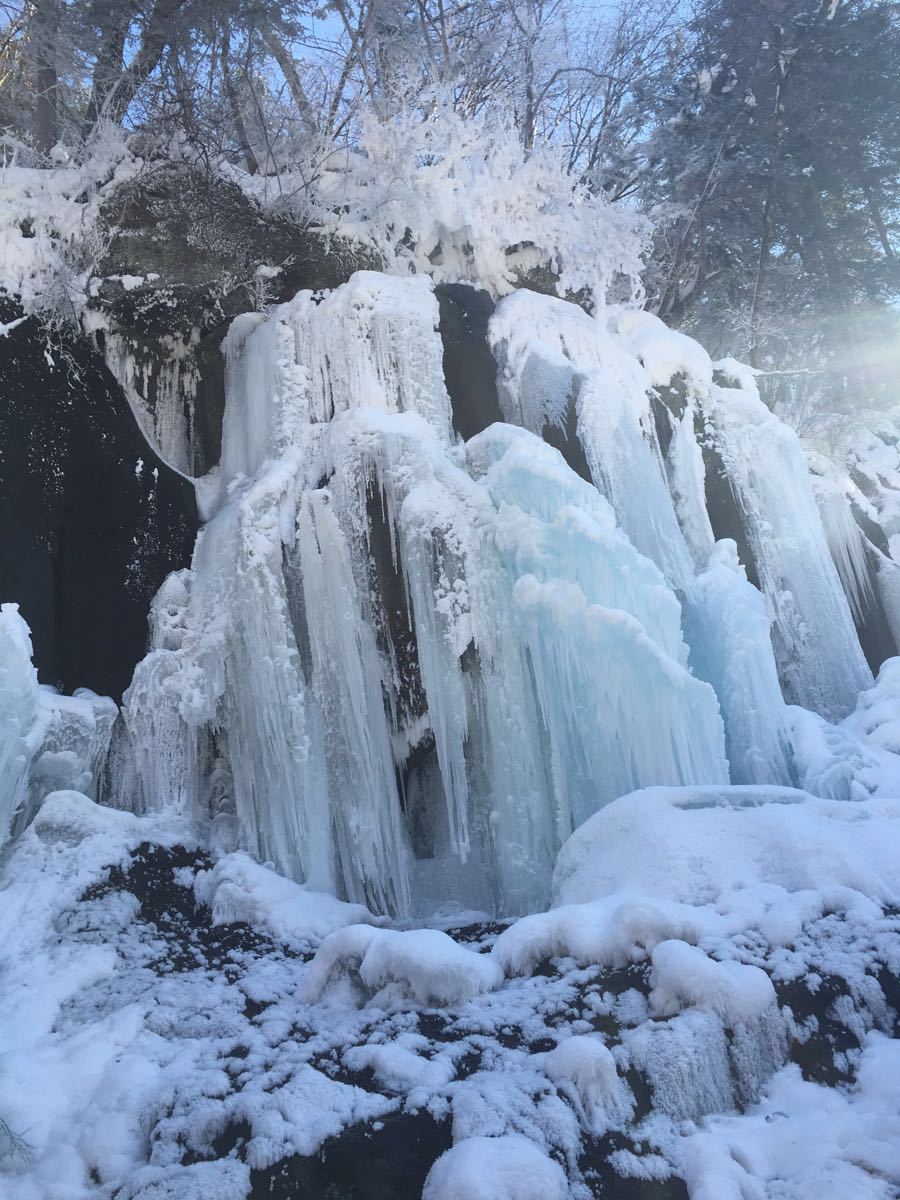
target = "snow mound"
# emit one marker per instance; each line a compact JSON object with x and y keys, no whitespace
{"x":703,"y":865}
{"x":68,"y":816}
{"x":584,"y":1068}
{"x":425,"y":965}
{"x":707,"y":846}
{"x":664,"y":353}
{"x":400,"y":1065}
{"x":239,"y":889}
{"x":685,"y":975}
{"x":495,"y":1168}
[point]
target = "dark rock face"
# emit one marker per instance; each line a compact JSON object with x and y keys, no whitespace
{"x":722,"y":504}
{"x":872,"y":626}
{"x":193,"y":229}
{"x":389,"y":1162}
{"x":91,"y":521}
{"x":470,"y":372}
{"x":197,"y":241}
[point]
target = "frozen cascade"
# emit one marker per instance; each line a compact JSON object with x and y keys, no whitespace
{"x":18,"y":714}
{"x":555,"y":359}
{"x":818,"y":653}
{"x":734,"y":652}
{"x":687,"y":477}
{"x":423,"y":662}
{"x":346,"y":680}
{"x":845,"y":541}
{"x":553,"y":355}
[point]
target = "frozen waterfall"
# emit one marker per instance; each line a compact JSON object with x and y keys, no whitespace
{"x":418,"y":663}
{"x":403,"y":667}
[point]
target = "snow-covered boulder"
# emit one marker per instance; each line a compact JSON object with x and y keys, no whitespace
{"x":239,"y":889}
{"x":424,"y":965}
{"x":495,"y":1168}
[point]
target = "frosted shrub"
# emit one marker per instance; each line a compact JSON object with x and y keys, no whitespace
{"x":459,"y":199}
{"x":51,"y":231}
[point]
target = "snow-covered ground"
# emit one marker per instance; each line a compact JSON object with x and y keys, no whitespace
{"x":711,"y":1004}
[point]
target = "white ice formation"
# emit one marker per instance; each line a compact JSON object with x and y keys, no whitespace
{"x":48,"y":742}
{"x":403,"y":668}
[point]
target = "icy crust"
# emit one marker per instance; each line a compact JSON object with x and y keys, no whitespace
{"x":371,"y":601}
{"x":48,"y":742}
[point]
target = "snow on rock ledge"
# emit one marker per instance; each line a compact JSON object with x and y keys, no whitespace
{"x":239,"y":889}
{"x":685,"y":975}
{"x":425,"y":965}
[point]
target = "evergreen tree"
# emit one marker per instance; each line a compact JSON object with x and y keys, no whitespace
{"x":773,"y":171}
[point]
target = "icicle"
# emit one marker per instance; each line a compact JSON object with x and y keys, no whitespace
{"x":820,"y":661}
{"x":733,"y":652}
{"x":346,"y":678}
{"x":846,"y":543}
{"x":684,"y":463}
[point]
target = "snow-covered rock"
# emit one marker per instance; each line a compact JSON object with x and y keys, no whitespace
{"x":425,"y":965}
{"x":500,"y":1168}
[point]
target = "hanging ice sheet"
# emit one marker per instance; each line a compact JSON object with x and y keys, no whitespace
{"x":558,"y":363}
{"x":818,"y":653}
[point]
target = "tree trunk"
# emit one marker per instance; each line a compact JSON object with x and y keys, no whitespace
{"x":877,"y":219}
{"x":288,"y":68}
{"x":109,"y":65}
{"x":156,"y":35}
{"x":43,"y":35}
{"x":234,"y":103}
